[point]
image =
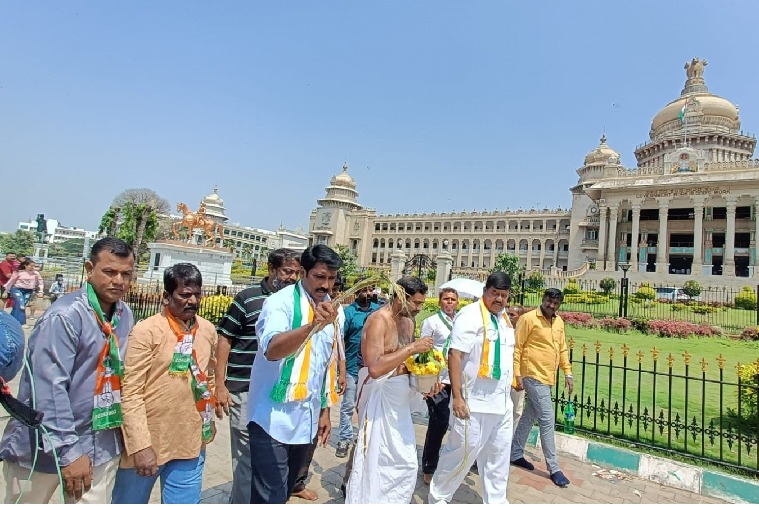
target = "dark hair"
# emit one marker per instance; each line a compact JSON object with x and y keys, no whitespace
{"x":447,"y":290}
{"x":499,"y":281}
{"x":320,"y":253}
{"x":188,"y":274}
{"x":339,"y":283}
{"x":412,"y":285}
{"x":278,"y":257}
{"x":553,"y":293}
{"x":10,"y":253}
{"x":26,"y":262}
{"x":111,"y":245}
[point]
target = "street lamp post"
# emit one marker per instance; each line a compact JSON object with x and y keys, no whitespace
{"x":623,"y":290}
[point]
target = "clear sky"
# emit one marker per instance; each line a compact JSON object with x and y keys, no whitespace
{"x":435,"y":105}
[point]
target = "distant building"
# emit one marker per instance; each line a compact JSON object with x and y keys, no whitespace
{"x":689,"y":208}
{"x":56,"y":232}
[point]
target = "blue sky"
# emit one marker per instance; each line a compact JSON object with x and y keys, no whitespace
{"x":435,"y":105}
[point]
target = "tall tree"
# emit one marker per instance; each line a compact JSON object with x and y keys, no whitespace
{"x":20,"y":242}
{"x":350,"y":263}
{"x":510,"y":264}
{"x":134,"y":217}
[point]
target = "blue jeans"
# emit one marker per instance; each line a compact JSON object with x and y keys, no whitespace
{"x":20,"y":298}
{"x":181,"y":483}
{"x":12,"y":347}
{"x":346,"y":409}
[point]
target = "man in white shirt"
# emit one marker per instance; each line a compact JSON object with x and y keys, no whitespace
{"x":287,"y":407}
{"x":480,"y":363}
{"x":438,"y":327}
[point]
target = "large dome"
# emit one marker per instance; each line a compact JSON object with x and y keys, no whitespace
{"x":343,"y":179}
{"x":696,"y":107}
{"x":602,"y":154}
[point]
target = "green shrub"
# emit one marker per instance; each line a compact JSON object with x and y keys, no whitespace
{"x":746,"y":299}
{"x":607,"y":285}
{"x":536,"y":281}
{"x":749,"y":394}
{"x":678,"y":307}
{"x":645,"y":292}
{"x":692,"y":288}
{"x":585,"y":298}
{"x":703,"y":309}
{"x":571,"y":287}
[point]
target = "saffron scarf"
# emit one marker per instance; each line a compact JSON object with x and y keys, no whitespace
{"x":490,"y":363}
{"x":106,"y":411}
{"x":185,"y":361}
{"x":293,"y":379}
{"x":449,"y":326}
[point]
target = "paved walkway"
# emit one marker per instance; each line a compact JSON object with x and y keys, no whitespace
{"x":524,"y":487}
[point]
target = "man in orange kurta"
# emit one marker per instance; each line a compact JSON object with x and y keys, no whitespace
{"x":167,"y":397}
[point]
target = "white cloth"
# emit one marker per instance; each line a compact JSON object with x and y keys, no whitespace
{"x":484,"y":395}
{"x":435,"y":328}
{"x":484,"y":438}
{"x":384,"y":461}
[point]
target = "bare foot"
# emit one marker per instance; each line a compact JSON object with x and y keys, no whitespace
{"x":307,"y":494}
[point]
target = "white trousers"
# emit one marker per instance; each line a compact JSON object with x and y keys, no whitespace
{"x":517,"y":399}
{"x":42,"y":486}
{"x":486,"y":439}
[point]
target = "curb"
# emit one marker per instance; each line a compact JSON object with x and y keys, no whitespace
{"x":656,"y":469}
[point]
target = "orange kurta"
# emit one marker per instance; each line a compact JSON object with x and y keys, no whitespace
{"x":159,"y":410}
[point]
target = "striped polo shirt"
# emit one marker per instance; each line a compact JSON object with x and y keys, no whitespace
{"x":239,"y":325}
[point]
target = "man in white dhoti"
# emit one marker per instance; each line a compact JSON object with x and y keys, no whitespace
{"x":480,"y":364}
{"x":385,"y":462}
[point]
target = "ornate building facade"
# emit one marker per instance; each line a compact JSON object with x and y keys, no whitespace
{"x":688,"y":207}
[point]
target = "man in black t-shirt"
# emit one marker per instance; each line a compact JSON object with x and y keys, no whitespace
{"x":236,"y":351}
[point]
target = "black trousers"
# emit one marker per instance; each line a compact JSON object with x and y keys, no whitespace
{"x":300,"y":482}
{"x":440,"y":411}
{"x":275,"y":466}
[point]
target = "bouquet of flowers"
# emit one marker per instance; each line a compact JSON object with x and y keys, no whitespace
{"x":425,"y":368}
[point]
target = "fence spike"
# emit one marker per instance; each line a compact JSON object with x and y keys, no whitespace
{"x":721,"y":361}
{"x":686,"y":356}
{"x":655,"y":353}
{"x":704,"y":364}
{"x":598,"y":346}
{"x":584,"y":349}
{"x":670,"y":361}
{"x":625,"y":350}
{"x":640,"y":357}
{"x":611,"y":352}
{"x":571,"y":343}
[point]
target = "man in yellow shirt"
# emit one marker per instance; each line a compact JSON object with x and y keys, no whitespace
{"x":541,"y":348}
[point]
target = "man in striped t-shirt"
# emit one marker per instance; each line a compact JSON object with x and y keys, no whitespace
{"x":236,"y":351}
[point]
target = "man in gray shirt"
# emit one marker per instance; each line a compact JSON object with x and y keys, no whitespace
{"x":76,"y":353}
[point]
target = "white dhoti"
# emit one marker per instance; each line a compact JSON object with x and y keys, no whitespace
{"x":486,"y":438}
{"x":385,"y":461}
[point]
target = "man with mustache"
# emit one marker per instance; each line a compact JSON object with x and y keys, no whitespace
{"x":384,"y":460}
{"x":294,"y":377}
{"x":167,"y":396}
{"x":71,"y":349}
{"x":238,"y":347}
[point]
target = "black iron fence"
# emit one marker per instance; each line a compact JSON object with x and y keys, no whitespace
{"x":731,"y":309}
{"x":145,"y":301}
{"x":697,"y":410}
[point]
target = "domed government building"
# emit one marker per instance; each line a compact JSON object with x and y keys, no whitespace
{"x":688,"y":209}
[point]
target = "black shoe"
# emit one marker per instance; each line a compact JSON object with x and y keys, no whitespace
{"x":342,"y":489}
{"x":342,"y":449}
{"x":522,"y":462}
{"x":559,"y":479}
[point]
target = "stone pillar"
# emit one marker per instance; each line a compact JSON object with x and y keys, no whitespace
{"x":662,"y":265}
{"x":755,"y":253}
{"x":542,"y":252}
{"x":611,"y":257}
{"x":634,"y":240}
{"x":601,"y":260}
{"x":397,"y":262}
{"x":698,"y":237}
{"x":728,"y":260}
{"x":444,"y":266}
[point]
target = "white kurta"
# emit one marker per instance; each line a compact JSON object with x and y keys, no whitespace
{"x":385,"y":461}
{"x":486,"y":436}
